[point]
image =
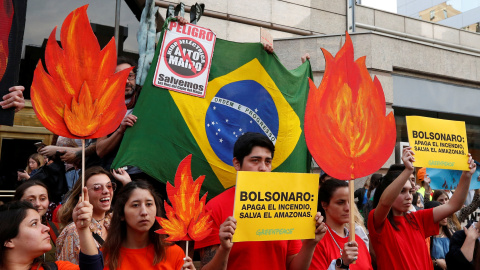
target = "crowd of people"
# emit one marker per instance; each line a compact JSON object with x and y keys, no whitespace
{"x":114,"y":228}
{"x":398,"y":224}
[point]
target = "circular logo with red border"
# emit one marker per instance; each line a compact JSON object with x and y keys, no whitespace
{"x":185,"y":57}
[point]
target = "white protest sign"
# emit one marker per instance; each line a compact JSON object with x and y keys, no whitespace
{"x":185,"y":59}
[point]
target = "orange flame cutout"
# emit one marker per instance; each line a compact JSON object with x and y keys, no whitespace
{"x":81,"y":96}
{"x":6,"y":18}
{"x":346,"y":129}
{"x":186,"y":218}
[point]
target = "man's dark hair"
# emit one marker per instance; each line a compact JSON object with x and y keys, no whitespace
{"x":245,"y":143}
{"x":126,"y":60}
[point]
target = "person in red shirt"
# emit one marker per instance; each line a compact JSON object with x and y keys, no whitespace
{"x":398,"y":237}
{"x":252,"y":152}
{"x":335,"y":251}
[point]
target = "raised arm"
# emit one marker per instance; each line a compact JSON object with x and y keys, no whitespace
{"x":82,"y":216}
{"x":106,"y":145}
{"x":216,"y":257}
{"x":393,"y":190}
{"x":458,"y":198}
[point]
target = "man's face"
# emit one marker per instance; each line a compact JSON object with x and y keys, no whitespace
{"x":427,"y":179}
{"x":259,"y":160}
{"x":130,"y":84}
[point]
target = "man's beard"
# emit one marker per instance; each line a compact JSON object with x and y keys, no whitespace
{"x":129,"y":92}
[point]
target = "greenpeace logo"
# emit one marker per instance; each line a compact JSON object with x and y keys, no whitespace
{"x":261,"y":232}
{"x":440,"y":163}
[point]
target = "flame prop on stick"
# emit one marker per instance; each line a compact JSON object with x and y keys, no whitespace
{"x":346,"y":129}
{"x":186,"y":218}
{"x":79,"y":95}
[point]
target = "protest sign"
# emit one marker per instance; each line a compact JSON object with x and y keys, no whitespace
{"x":448,"y":179}
{"x":438,"y":143}
{"x":185,"y":58}
{"x":275,"y":206}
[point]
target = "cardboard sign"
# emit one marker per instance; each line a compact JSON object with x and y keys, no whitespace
{"x":275,"y":206}
{"x":438,"y":143}
{"x":185,"y":59}
{"x":448,"y":179}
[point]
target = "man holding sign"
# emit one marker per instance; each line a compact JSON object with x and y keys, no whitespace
{"x":252,"y":152}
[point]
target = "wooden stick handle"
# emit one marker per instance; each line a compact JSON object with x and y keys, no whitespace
{"x":83,"y":168}
{"x":351,"y":188}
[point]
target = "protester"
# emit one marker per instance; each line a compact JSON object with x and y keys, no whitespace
{"x":335,"y":250}
{"x":100,"y":190}
{"x":252,"y":152}
{"x":107,"y":147}
{"x":462,"y":215}
{"x":361,"y":195}
{"x":398,"y":237}
{"x":424,"y":190}
{"x":35,"y":161}
{"x":36,"y":193}
{"x":24,"y":238}
{"x":465,"y":249}
{"x":439,"y":244}
{"x":135,"y":245}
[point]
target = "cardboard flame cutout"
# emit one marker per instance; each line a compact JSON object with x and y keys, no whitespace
{"x":186,"y":218}
{"x":346,"y":129}
{"x":6,"y":20}
{"x":81,"y":96}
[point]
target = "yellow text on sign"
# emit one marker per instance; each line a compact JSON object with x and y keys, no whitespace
{"x":275,"y":206}
{"x":438,"y":143}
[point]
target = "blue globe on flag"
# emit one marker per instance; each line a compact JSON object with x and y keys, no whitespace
{"x":239,"y":107}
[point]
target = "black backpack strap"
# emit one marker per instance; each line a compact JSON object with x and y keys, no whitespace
{"x":53,"y":227}
{"x":98,"y":238}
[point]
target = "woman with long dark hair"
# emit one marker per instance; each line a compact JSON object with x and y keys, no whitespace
{"x":335,"y":250}
{"x":23,"y":238}
{"x":397,"y":236}
{"x":135,"y":245}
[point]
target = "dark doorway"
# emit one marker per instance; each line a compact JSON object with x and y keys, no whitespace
{"x":15,"y":153}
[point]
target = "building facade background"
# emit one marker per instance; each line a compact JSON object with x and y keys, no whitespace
{"x":426,"y":68}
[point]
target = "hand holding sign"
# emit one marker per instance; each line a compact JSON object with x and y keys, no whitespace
{"x":227,"y":229}
{"x":438,"y":143}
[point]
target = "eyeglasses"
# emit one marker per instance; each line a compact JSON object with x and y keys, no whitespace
{"x":100,"y":187}
{"x":131,"y":76}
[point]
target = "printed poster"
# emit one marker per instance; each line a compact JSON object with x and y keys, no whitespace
{"x":185,"y":59}
{"x":448,"y":179}
{"x":275,"y":206}
{"x":438,"y":143}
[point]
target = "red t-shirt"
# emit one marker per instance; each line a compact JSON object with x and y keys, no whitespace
{"x":406,"y":248}
{"x":326,"y":251}
{"x":246,"y":255}
{"x":142,"y":258}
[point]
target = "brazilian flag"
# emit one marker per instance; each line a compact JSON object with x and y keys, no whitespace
{"x":248,"y":90}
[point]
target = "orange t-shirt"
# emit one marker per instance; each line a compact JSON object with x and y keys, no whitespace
{"x":143,"y":258}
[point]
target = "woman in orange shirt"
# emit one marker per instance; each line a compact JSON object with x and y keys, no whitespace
{"x":135,"y":245}
{"x":23,"y":238}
